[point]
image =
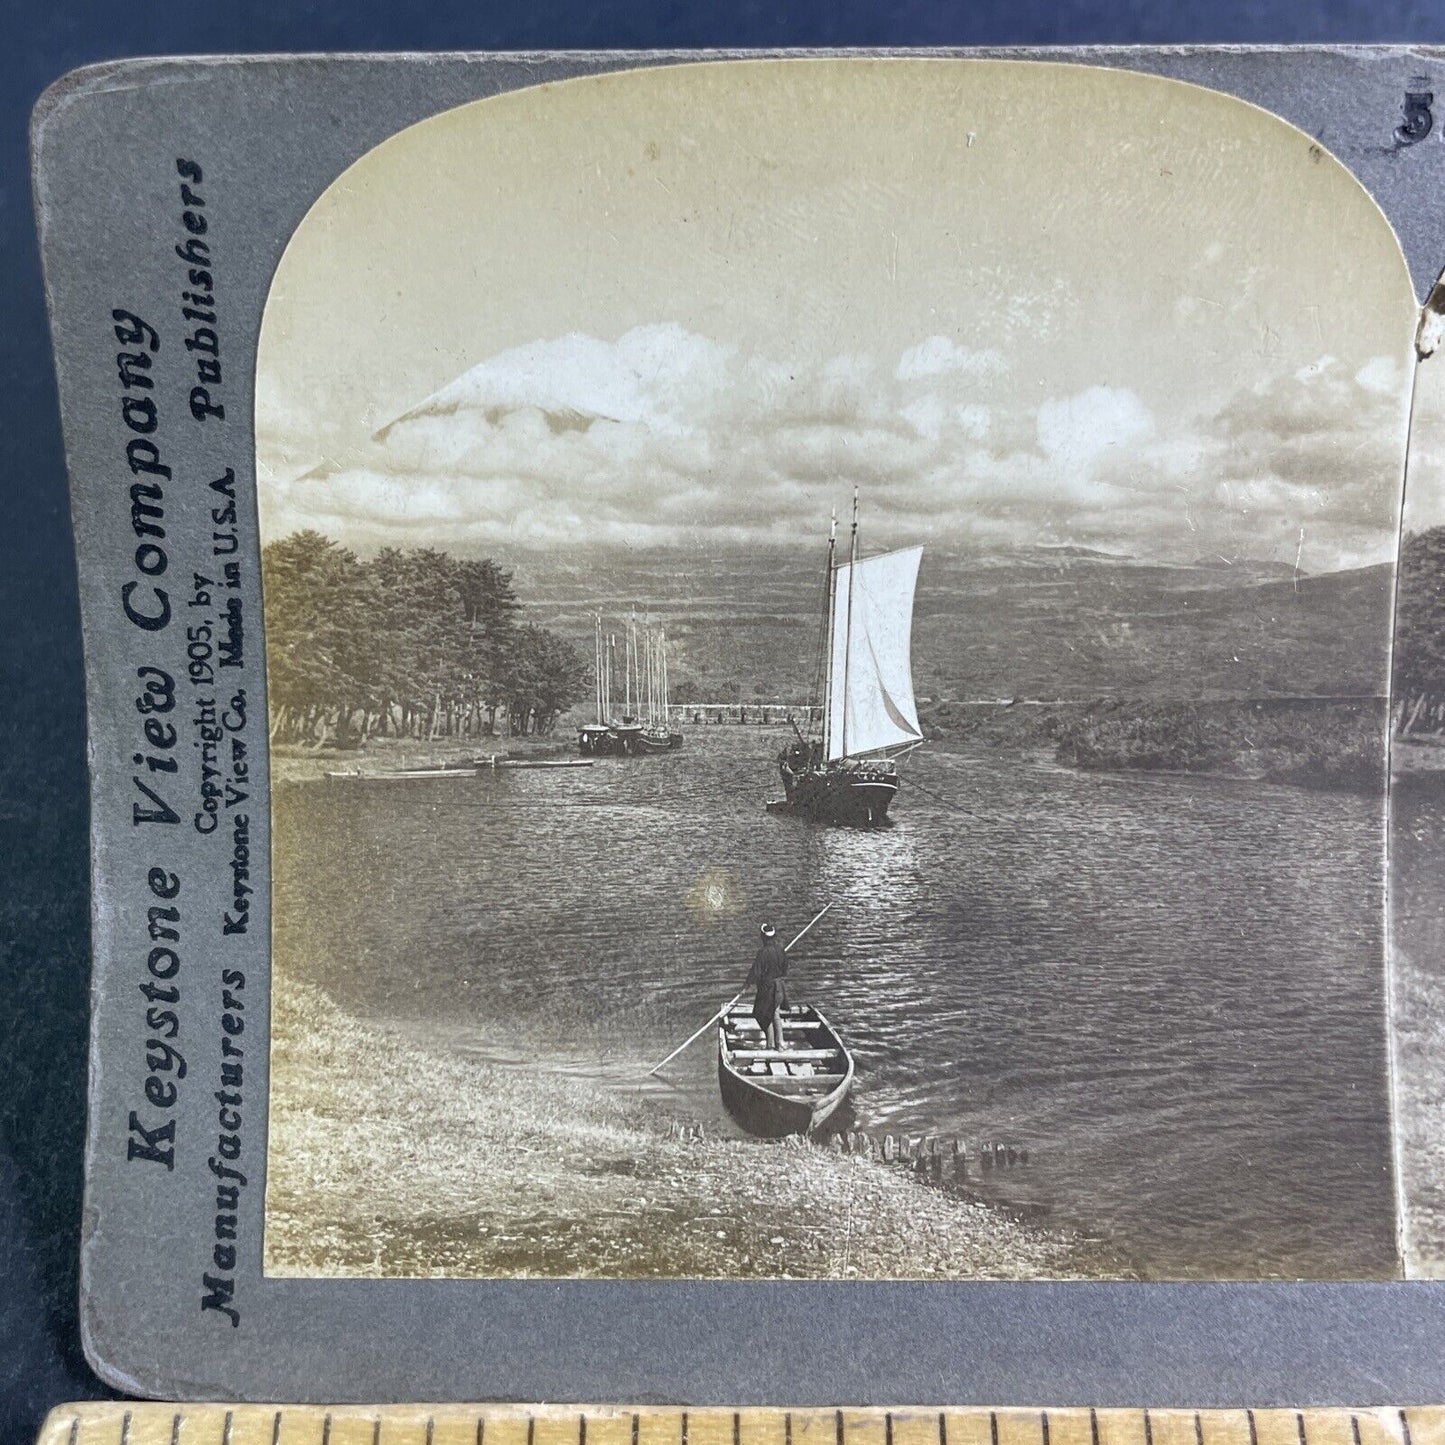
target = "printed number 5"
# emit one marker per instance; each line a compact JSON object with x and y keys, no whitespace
{"x":1418,"y":119}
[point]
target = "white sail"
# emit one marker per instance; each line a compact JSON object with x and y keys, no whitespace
{"x":870,"y":692}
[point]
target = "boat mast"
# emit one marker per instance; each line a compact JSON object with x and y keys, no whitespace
{"x":662,"y":667}
{"x":848,"y":617}
{"x":829,"y":582}
{"x":627,"y":649}
{"x":597,"y":651}
{"x":649,"y":645}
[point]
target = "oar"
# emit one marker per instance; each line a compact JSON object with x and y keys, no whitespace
{"x":732,"y":1000}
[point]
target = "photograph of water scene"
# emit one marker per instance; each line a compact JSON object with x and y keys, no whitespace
{"x":1417,"y":831}
{"x":828,"y":630}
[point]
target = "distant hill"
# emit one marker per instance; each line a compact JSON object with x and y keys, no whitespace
{"x":1043,"y":622}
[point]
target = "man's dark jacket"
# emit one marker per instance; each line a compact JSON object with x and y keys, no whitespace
{"x":769,"y":970}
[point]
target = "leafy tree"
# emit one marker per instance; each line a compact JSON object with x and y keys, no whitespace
{"x":415,"y":641}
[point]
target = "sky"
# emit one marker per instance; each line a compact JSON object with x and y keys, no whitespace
{"x":1011,"y":303}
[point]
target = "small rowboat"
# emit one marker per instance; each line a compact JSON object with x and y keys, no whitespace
{"x":775,"y":1092}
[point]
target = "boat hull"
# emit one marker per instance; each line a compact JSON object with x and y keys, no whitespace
{"x":773,"y":1106}
{"x":848,"y":797}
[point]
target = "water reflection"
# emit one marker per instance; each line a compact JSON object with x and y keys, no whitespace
{"x":1172,"y":990}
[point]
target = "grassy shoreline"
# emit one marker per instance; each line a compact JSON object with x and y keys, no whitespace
{"x":1328,"y":743}
{"x":426,"y":1162}
{"x":296,"y":763}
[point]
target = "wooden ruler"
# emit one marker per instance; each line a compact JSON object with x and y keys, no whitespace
{"x":164,"y":1424}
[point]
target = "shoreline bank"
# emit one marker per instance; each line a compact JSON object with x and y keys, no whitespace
{"x":295,"y":763}
{"x":1326,"y":744}
{"x":390,"y":1158}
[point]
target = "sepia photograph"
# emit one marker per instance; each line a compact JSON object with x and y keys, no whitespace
{"x":828,"y":637}
{"x":1417,"y":824}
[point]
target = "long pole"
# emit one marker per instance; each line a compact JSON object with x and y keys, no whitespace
{"x":732,"y":1000}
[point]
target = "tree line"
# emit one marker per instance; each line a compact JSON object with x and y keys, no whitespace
{"x":411,"y":643}
{"x":1418,"y":683}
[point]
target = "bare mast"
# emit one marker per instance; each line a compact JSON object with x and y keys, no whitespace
{"x":848,"y":617}
{"x":629,"y":646}
{"x":829,"y":583}
{"x":601,"y":715}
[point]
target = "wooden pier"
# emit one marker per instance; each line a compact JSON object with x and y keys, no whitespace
{"x":941,"y":1159}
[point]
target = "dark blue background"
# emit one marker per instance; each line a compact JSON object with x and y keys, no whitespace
{"x":44,"y":948}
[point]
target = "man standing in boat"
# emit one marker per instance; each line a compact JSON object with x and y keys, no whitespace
{"x":769,"y":970}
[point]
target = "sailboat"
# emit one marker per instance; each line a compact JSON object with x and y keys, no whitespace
{"x":594,"y":738}
{"x":849,"y":774}
{"x":657,"y":734}
{"x":605,"y":737}
{"x":643,"y":726}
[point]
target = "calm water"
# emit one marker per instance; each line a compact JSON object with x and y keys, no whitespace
{"x":1171,"y":990}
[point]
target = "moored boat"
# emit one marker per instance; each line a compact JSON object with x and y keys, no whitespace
{"x":644,"y":728}
{"x":775,"y":1092}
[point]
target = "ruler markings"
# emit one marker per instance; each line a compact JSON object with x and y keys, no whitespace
{"x":140,"y":1423}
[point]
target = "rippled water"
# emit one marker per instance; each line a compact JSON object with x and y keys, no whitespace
{"x":1170,"y":989}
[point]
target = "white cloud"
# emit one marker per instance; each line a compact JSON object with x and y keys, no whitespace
{"x":939,"y":356}
{"x":1076,"y":429}
{"x":1379,"y":374}
{"x":666,"y":437}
